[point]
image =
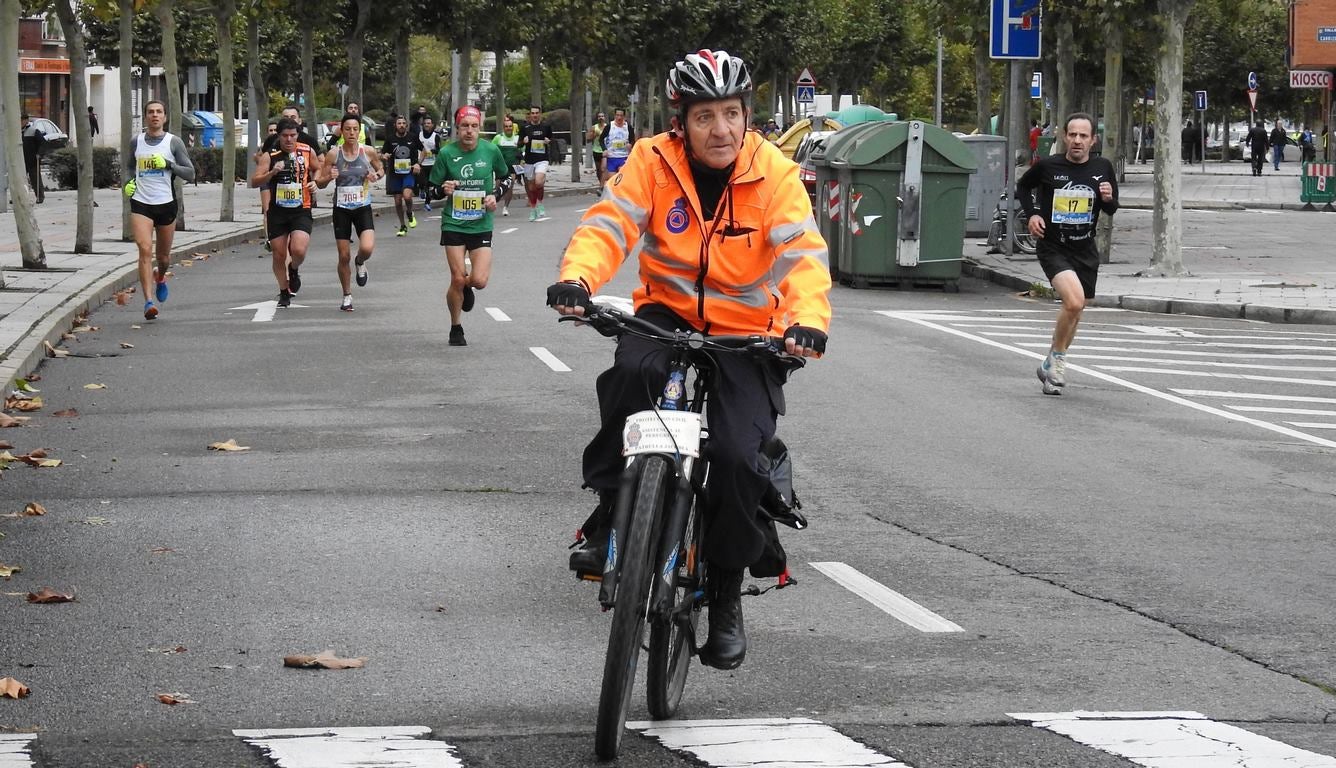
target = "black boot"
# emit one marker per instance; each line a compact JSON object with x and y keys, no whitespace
{"x":593,"y":552}
{"x":726,"y":645}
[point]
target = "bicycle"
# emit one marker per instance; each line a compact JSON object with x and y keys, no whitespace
{"x":997,"y":229}
{"x":653,"y":573}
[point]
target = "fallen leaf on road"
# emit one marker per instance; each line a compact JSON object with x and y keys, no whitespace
{"x":127,"y":345}
{"x":12,"y":689}
{"x":48,"y":463}
{"x":228,"y":445}
{"x":322,"y":660}
{"x":199,"y":255}
{"x":11,"y":421}
{"x":5,"y":445}
{"x":95,"y":386}
{"x":68,"y":412}
{"x":175,"y":649}
{"x":161,"y":550}
{"x":53,"y":352}
{"x":84,"y":329}
{"x":136,"y":327}
{"x":9,"y":570}
{"x":22,"y":385}
{"x":33,"y":509}
{"x":49,"y":595}
{"x":175,"y":698}
{"x":34,"y":377}
{"x":68,"y":337}
{"x":186,"y":263}
{"x":122,"y":297}
{"x":94,"y":521}
{"x":14,"y":403}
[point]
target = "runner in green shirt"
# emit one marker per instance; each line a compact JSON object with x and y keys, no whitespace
{"x":508,"y":141}
{"x":469,"y":177}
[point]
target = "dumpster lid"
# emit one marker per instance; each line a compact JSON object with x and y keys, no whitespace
{"x":208,"y":118}
{"x":860,"y":113}
{"x":871,"y":143}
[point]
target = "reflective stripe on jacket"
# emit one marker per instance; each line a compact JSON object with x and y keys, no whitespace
{"x":759,"y":266}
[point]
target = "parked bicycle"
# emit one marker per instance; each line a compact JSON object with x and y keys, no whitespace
{"x":997,"y":230}
{"x":654,"y":573}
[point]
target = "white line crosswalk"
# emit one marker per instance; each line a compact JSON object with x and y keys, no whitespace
{"x":1153,"y":739}
{"x":1284,"y":367}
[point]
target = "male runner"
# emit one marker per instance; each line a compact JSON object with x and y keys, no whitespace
{"x":430,"y":141}
{"x":157,"y":156}
{"x":352,"y":167}
{"x":508,"y":141}
{"x":469,"y":176}
{"x":336,"y":138}
{"x":290,"y":173}
{"x":617,"y":138}
{"x":535,"y":136}
{"x":596,"y":146}
{"x":1062,"y":196}
{"x":400,"y":154}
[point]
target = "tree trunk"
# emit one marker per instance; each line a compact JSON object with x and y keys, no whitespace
{"x":1066,"y":103}
{"x":1113,"y":146}
{"x":163,"y":11}
{"x":83,"y":135}
{"x":308,"y":71}
{"x":25,"y":217}
{"x":499,"y":86}
{"x":257,"y":98}
{"x":356,"y":46}
{"x":1167,"y":217}
{"x":465,"y":68}
{"x":536,"y":74}
{"x":127,"y":11}
{"x":983,"y":83}
{"x":223,"y":12}
{"x":403,"y":84}
{"x":834,"y":94}
{"x":577,"y":117}
{"x":644,"y":107}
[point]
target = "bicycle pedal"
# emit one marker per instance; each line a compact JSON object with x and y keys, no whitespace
{"x":583,"y":576}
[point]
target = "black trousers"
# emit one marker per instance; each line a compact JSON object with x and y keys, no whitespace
{"x":745,"y":402}
{"x":34,"y":168}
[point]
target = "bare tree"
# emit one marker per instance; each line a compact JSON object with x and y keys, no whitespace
{"x":83,"y":134}
{"x":165,"y":12}
{"x":356,"y":48}
{"x":25,"y":218}
{"x":1167,"y":218}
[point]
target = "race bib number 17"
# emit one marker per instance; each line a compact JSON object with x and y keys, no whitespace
{"x":1073,"y":206}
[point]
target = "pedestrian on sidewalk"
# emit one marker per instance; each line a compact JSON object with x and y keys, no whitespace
{"x":156,"y":156}
{"x":1062,"y":196}
{"x":1257,"y":145}
{"x":92,"y":123}
{"x":1190,"y":140}
{"x":1278,"y":139}
{"x":33,"y":139}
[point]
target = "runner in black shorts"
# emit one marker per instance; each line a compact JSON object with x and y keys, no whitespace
{"x":1062,"y":196}
{"x":290,"y":174}
{"x":352,"y":166}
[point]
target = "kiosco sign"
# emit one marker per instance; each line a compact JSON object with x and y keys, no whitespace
{"x":1302,"y":78}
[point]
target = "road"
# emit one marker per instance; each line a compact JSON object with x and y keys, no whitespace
{"x":1150,"y":549}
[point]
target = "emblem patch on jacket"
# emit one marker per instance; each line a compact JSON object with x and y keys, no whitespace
{"x":677,"y":219}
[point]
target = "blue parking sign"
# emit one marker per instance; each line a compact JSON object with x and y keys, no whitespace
{"x":1014,"y":29}
{"x":1200,"y":100}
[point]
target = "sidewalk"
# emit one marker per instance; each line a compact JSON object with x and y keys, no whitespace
{"x":40,"y":305}
{"x":1283,"y":284}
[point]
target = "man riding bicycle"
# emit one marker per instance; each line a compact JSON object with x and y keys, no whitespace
{"x":728,"y":247}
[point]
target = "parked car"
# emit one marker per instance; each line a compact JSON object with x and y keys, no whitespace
{"x":55,"y":138}
{"x":803,"y":157}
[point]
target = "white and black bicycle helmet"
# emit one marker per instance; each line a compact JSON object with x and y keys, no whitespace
{"x":706,"y":76}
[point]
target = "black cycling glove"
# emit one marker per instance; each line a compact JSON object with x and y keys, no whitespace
{"x":567,"y":294}
{"x":807,"y":337}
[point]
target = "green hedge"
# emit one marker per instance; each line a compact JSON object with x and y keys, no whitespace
{"x":64,"y":166}
{"x":208,"y":163}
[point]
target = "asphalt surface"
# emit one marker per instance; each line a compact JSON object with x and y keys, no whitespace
{"x":408,"y":502}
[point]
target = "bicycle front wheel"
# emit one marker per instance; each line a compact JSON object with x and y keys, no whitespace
{"x":632,"y":602}
{"x":672,"y":636}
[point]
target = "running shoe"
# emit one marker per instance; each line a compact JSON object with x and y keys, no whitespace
{"x":150,"y":310}
{"x":403,"y":232}
{"x":426,"y":206}
{"x":533,"y":215}
{"x":294,"y":280}
{"x":161,"y":290}
{"x":542,"y":212}
{"x":457,"y":336}
{"x":1052,"y":374}
{"x":361,"y":271}
{"x":505,"y":210}
{"x":284,"y":298}
{"x":469,"y":298}
{"x":412,"y":221}
{"x":347,"y":305}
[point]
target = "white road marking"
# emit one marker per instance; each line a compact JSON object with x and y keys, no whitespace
{"x":1217,"y":364}
{"x":1174,"y":740}
{"x":886,"y":599}
{"x":1214,"y":375}
{"x":265,"y":310}
{"x":1189,"y":343}
{"x":919,"y":319}
{"x":508,"y":231}
{"x":1083,"y":348}
{"x":1252,"y":396}
{"x":352,"y":747}
{"x":1311,"y":424}
{"x":1289,"y":411}
{"x":498,"y":315}
{"x":14,"y":750}
{"x":581,"y":210}
{"x":773,"y":742}
{"x":550,"y":359}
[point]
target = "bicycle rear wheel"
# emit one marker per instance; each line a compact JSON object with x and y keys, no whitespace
{"x":672,"y":636}
{"x":632,"y":601}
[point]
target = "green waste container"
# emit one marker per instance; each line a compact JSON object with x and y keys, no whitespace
{"x":1045,"y":147}
{"x":903,"y":189}
{"x":1317,"y":185}
{"x":829,"y":203}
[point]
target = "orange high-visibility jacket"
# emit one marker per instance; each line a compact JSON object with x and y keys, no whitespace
{"x":757,"y":267}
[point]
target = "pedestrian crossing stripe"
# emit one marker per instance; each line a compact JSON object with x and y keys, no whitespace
{"x":1173,"y":739}
{"x":793,"y":741}
{"x":352,"y":747}
{"x":14,"y":750}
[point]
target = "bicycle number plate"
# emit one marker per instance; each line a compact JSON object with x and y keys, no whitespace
{"x":673,"y":432}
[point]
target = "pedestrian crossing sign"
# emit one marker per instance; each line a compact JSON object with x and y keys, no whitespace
{"x":806,"y":94}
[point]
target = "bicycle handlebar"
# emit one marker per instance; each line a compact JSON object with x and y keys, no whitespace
{"x":613,"y":322}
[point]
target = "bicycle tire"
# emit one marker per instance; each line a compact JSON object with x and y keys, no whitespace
{"x":632,"y":601}
{"x":670,"y":640}
{"x":1026,"y":243}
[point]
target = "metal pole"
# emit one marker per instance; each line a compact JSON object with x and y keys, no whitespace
{"x":1008,"y":130}
{"x":937,"y":113}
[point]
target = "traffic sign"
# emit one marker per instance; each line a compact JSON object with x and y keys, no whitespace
{"x":1014,"y":29}
{"x":1200,"y":100}
{"x":1302,"y":78}
{"x":1252,"y":100}
{"x":806,"y":94}
{"x":1036,"y":85}
{"x":1252,"y":81}
{"x":806,"y":77}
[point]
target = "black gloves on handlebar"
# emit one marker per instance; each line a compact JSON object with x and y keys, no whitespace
{"x":567,"y":294}
{"x":807,"y":337}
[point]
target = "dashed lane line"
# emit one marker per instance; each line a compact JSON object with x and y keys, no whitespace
{"x":498,"y":315}
{"x":550,"y":359}
{"x":793,"y":741}
{"x":886,"y":599}
{"x":352,"y":747}
{"x":14,"y":750}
